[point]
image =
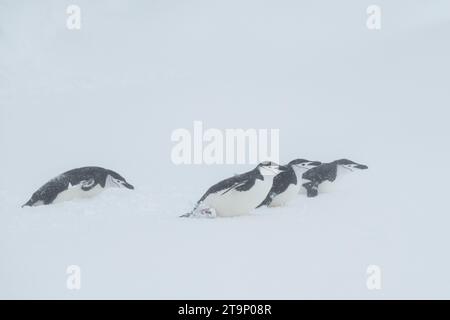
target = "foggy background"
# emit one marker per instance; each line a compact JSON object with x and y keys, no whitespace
{"x":112,"y":93}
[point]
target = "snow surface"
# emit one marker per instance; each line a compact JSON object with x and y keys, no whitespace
{"x":112,"y":93}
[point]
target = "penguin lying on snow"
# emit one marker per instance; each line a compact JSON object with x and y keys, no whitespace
{"x":327,"y":173}
{"x":287,"y":184}
{"x":77,"y":183}
{"x":239,"y":194}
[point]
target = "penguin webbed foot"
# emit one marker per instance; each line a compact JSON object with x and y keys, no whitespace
{"x":201,"y":211}
{"x":208,"y":213}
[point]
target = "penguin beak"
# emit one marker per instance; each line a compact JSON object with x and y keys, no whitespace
{"x":361,"y":167}
{"x":128,"y":186}
{"x":314,"y":163}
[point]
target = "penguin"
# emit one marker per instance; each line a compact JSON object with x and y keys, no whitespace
{"x":77,"y":183}
{"x":325,"y":174}
{"x":287,"y":184}
{"x":238,"y":195}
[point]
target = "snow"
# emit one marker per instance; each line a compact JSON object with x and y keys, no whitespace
{"x":112,"y":93}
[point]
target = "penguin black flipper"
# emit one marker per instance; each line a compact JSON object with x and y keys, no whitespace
{"x":280,"y":183}
{"x":246,"y":185}
{"x":88,"y":184}
{"x":268,"y":199}
{"x":235,"y":187}
{"x":223,"y":186}
{"x":241,"y":182}
{"x":317,"y":175}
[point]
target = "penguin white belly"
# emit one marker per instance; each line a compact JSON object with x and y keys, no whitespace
{"x":75,"y":192}
{"x":238,"y":203}
{"x":288,"y":195}
{"x":327,"y":186}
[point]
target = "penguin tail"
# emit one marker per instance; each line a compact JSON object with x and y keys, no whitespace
{"x":261,"y":204}
{"x":28,"y":204}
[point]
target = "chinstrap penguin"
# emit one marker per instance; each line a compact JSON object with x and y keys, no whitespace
{"x":77,"y":183}
{"x":287,"y":184}
{"x":239,"y":194}
{"x":319,"y":178}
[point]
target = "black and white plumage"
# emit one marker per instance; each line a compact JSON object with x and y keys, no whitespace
{"x":287,"y":184}
{"x":319,"y":178}
{"x":239,"y":194}
{"x":77,"y":183}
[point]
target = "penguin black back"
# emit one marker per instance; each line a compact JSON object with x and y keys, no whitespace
{"x":280,"y":183}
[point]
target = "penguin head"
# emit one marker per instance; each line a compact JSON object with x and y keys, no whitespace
{"x":115,"y":180}
{"x":350,"y":165}
{"x":269,"y":168}
{"x":303,"y":164}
